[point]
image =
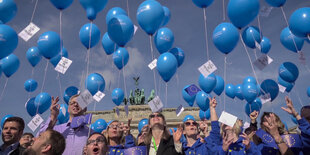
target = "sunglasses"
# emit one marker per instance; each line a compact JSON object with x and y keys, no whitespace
{"x":98,"y":140}
{"x":191,"y":123}
{"x":156,"y":115}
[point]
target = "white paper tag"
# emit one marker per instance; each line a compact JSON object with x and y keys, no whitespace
{"x":35,"y":122}
{"x":263,"y":61}
{"x":246,"y":125}
{"x":98,"y":96}
{"x":126,"y":109}
{"x":63,"y":65}
{"x":257,"y":45}
{"x":153,"y":64}
{"x":63,"y":111}
{"x":265,"y":98}
{"x":156,"y":104}
{"x":207,"y":68}
{"x":117,"y":111}
{"x":179,"y":110}
{"x":29,"y":31}
{"x":84,"y":99}
{"x":135,"y":29}
{"x":281,"y":88}
{"x":227,"y":119}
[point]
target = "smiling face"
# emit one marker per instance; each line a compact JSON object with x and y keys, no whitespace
{"x":26,"y":140}
{"x":96,"y":145}
{"x":156,"y":119}
{"x":11,"y":132}
{"x":190,"y":128}
{"x":114,"y":130}
{"x":74,"y":109}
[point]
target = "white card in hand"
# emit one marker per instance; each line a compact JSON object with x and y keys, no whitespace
{"x":84,"y":99}
{"x":35,"y":122}
{"x":179,"y":110}
{"x":263,"y":61}
{"x":156,"y":105}
{"x":135,"y":29}
{"x":98,"y":96}
{"x":207,"y":68}
{"x":29,"y":32}
{"x":153,"y":64}
{"x":63,"y":65}
{"x":281,"y":88}
{"x":228,"y":119}
{"x":265,"y":98}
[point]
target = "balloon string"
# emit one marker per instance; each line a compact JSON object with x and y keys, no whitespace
{"x":206,"y":31}
{"x":88,"y":50}
{"x":259,"y":26}
{"x":34,"y":10}
{"x":250,"y":108}
{"x":152,"y":53}
{"x":255,"y":54}
{"x":225,"y":60}
{"x":32,"y":73}
{"x":284,"y":15}
{"x":44,"y":77}
{"x":89,"y":129}
{"x":119,"y":78}
{"x":224,"y":14}
{"x":297,"y":94}
{"x":178,"y":86}
{"x":166,"y":94}
{"x":125,"y":87}
{"x":60,"y":31}
{"x":6,"y":82}
{"x":128,"y":9}
{"x":82,"y":77}
{"x":59,"y":83}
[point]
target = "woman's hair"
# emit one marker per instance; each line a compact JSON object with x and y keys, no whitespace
{"x":148,"y":136}
{"x":236,"y":128}
{"x":281,"y":127}
{"x":122,"y":138}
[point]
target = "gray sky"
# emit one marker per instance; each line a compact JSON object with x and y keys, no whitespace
{"x":187,"y":25}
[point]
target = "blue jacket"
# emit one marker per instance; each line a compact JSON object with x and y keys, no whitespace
{"x":238,"y":148}
{"x":119,"y":149}
{"x":304,"y":127}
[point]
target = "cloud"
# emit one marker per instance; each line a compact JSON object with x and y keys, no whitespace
{"x":135,"y":63}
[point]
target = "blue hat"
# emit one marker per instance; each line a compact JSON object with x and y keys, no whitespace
{"x":188,"y":117}
{"x":142,"y":123}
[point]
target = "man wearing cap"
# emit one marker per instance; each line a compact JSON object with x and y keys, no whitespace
{"x":76,"y":137}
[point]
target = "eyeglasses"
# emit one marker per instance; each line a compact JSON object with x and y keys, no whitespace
{"x":156,"y":115}
{"x":191,"y":123}
{"x":73,"y":102}
{"x":98,"y":140}
{"x":114,"y":126}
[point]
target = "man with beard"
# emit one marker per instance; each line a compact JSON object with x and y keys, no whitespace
{"x":12,"y":131}
{"x":96,"y":145}
{"x":75,"y":137}
{"x":49,"y":142}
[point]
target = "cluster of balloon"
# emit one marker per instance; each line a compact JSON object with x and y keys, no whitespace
{"x":299,"y":22}
{"x":225,"y":37}
{"x":89,"y":35}
{"x":99,"y":125}
{"x":117,"y":96}
{"x":61,"y":4}
{"x":93,"y":7}
{"x":63,"y":116}
{"x":143,"y":122}
{"x":33,"y":56}
{"x":203,"y":115}
{"x":288,"y":74}
{"x":290,"y":41}
{"x":55,"y":60}
{"x":69,"y":92}
{"x":189,"y":99}
{"x":9,"y":64}
{"x":4,"y":118}
{"x":256,"y":105}
{"x":49,"y":44}
{"x":30,"y":85}
{"x":94,"y":83}
{"x":42,"y":102}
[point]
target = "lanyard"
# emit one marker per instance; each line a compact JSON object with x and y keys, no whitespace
{"x":155,"y":147}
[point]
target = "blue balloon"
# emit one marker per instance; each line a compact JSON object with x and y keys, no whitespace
{"x":189,"y":99}
{"x":120,"y":29}
{"x":242,"y":12}
{"x":55,"y":60}
{"x":164,"y":40}
{"x":276,"y":3}
{"x":33,"y":55}
{"x":143,"y":122}
{"x":94,"y":83}
{"x":288,"y":72}
{"x":238,"y":91}
{"x":265,"y":45}
{"x":258,"y":101}
{"x":207,"y":84}
{"x":204,"y":114}
{"x":89,"y":35}
{"x":167,"y":65}
{"x":99,"y":125}
{"x":225,"y":37}
{"x":49,"y":44}
{"x":63,"y":117}
{"x":43,"y":101}
{"x":69,"y":92}
{"x":249,"y":91}
{"x":289,"y":86}
{"x":249,"y":108}
{"x":294,"y":120}
{"x":117,"y":96}
{"x":259,"y":91}
{"x":150,"y":15}
{"x":167,"y":16}
{"x":30,"y":107}
{"x":108,"y":45}
{"x":8,"y":40}
{"x":93,"y":7}
{"x":8,"y":10}
{"x":271,"y":87}
{"x":4,"y":118}
{"x":179,"y":55}
{"x":308,"y":91}
{"x":202,"y":100}
{"x":188,"y":117}
{"x":299,"y":22}
{"x":219,"y":86}
{"x":113,"y":12}
{"x":230,"y":91}
{"x":202,"y":3}
{"x":249,"y":79}
{"x":61,"y":4}
{"x":289,"y":40}
{"x":251,"y":35}
{"x":30,"y":85}
{"x":9,"y":65}
{"x":120,"y":57}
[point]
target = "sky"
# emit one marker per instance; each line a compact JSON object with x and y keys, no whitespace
{"x":187,"y":24}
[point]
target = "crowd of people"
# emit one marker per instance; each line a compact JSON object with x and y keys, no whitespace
{"x":191,"y":137}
